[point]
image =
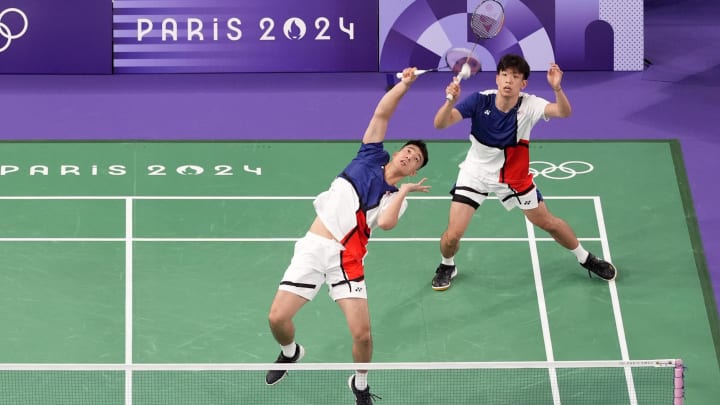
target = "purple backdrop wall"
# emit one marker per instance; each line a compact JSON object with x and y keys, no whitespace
{"x":242,"y":36}
{"x":69,"y":36}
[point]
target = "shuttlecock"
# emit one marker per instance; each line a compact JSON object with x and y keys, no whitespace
{"x":464,"y":71}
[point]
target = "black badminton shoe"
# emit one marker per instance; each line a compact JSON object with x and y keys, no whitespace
{"x":274,"y":376}
{"x":603,"y":269}
{"x":364,"y":397}
{"x":443,"y":277}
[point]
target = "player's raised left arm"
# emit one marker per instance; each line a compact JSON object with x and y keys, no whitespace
{"x":377,"y":128}
{"x":561,"y":107}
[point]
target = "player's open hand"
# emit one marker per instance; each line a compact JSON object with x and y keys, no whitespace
{"x":415,"y":187}
{"x":554,"y":75}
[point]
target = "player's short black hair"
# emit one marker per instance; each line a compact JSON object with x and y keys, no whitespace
{"x":423,"y":149}
{"x":517,"y":62}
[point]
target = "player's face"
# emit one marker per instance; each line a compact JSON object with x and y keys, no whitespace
{"x":409,"y":159}
{"x":510,"y":82}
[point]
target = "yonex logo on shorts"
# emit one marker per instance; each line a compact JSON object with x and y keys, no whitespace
{"x":5,"y":30}
{"x":563,"y":171}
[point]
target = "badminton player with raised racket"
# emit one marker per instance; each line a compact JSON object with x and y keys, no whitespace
{"x":498,"y":161}
{"x":366,"y":195}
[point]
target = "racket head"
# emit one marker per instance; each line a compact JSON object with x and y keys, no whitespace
{"x":456,"y":58}
{"x":487,"y":19}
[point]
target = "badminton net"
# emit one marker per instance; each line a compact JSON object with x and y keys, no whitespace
{"x":652,"y":382}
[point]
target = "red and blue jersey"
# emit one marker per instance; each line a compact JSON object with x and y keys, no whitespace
{"x":349,"y":209}
{"x":500,"y":140}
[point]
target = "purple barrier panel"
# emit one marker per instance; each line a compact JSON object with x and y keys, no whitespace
{"x":185,"y":36}
{"x":578,"y":35}
{"x":56,"y":37}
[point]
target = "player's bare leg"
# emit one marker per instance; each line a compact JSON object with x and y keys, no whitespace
{"x":357,"y":315}
{"x":556,"y":227}
{"x":284,"y":307}
{"x":565,"y":236}
{"x":459,"y":218}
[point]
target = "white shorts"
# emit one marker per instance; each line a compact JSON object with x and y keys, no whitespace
{"x":316,"y":261}
{"x":474,"y":190}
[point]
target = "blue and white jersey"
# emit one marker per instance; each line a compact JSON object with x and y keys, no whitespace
{"x":500,"y":140}
{"x":350,"y":208}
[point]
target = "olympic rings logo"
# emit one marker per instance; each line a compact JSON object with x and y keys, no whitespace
{"x":565,"y":170}
{"x":5,"y":31}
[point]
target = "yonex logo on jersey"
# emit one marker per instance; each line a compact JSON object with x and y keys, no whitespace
{"x":5,"y":30}
{"x":486,"y":112}
{"x":566,"y":170}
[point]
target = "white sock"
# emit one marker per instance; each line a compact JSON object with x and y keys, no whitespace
{"x":289,"y":350}
{"x":360,"y":381}
{"x":448,"y":261}
{"x":580,"y":253}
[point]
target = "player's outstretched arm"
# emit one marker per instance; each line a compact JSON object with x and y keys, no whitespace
{"x":391,"y":214}
{"x":377,"y":128}
{"x":447,"y":114}
{"x":561,"y":107}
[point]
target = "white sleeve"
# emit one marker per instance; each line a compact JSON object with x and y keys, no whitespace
{"x":534,"y":107}
{"x":538,"y":105}
{"x":374,"y":214}
{"x":336,"y":208}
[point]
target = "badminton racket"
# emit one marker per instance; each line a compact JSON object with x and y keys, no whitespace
{"x":454,"y":60}
{"x":486,"y":22}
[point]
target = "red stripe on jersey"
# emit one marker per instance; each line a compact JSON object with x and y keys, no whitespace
{"x":355,"y":243}
{"x":516,"y":170}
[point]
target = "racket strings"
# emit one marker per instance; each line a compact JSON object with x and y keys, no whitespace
{"x":487,"y":20}
{"x":484,"y":26}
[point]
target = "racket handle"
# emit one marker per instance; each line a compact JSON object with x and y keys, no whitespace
{"x":417,"y":73}
{"x":459,"y":77}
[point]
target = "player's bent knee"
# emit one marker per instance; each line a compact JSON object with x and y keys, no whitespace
{"x":277,"y":317}
{"x":363,"y":338}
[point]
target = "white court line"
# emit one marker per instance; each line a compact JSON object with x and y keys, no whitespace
{"x":128,"y":299}
{"x":257,"y":197}
{"x":63,"y":239}
{"x":293,"y":239}
{"x":615,"y":303}
{"x":545,"y":324}
{"x":445,"y":365}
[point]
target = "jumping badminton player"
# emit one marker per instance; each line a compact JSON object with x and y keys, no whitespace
{"x":498,"y":161}
{"x":364,"y":196}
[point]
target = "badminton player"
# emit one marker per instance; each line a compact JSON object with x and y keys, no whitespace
{"x":498,"y":161}
{"x":366,"y":195}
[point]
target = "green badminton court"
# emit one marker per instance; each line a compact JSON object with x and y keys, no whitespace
{"x":170,"y":253}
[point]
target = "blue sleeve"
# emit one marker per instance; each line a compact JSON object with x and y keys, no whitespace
{"x":373,"y":153}
{"x":469,"y":105}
